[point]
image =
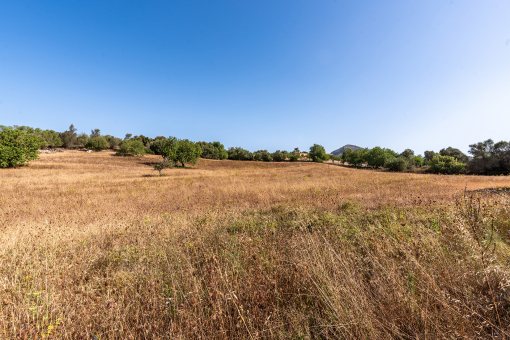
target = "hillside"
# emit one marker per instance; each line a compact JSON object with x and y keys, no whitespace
{"x":338,"y":152}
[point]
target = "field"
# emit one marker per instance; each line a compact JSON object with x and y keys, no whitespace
{"x":98,"y":246}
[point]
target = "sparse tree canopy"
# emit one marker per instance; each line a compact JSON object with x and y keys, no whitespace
{"x":164,"y":164}
{"x":128,"y":135}
{"x":95,"y":133}
{"x":17,"y":148}
{"x":68,"y":137}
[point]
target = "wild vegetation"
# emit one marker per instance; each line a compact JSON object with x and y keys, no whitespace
{"x":98,"y":246}
{"x":488,"y":158}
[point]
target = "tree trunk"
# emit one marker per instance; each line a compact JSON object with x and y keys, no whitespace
{"x":159,"y":173}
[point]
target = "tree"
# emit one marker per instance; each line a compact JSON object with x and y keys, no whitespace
{"x":279,"y":156}
{"x":82,"y":139}
{"x":446,"y":165}
{"x":132,"y":147}
{"x":165,"y":148}
{"x":214,"y":150}
{"x":376,"y":157}
{"x":164,"y":164}
{"x":429,"y":155}
{"x":95,"y":133}
{"x":68,"y":137}
{"x":17,"y":148}
{"x":397,"y":163}
{"x":113,"y":141}
{"x":97,"y":143}
{"x":187,"y":152}
{"x":418,"y":161}
{"x":296,"y":150}
{"x":128,"y":135}
{"x":455,"y":153}
{"x":293,"y":156}
{"x":490,"y":158}
{"x":317,"y":153}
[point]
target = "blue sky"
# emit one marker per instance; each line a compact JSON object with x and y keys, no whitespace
{"x":262,"y":74}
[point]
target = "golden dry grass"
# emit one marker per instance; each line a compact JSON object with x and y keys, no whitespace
{"x":98,"y":244}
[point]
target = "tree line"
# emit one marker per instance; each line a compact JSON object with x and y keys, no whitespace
{"x":19,"y":145}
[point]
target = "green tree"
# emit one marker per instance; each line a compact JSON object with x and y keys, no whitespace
{"x":293,"y":156}
{"x":113,"y":142}
{"x":214,"y":150}
{"x":128,"y":136}
{"x":68,"y":137}
{"x":446,"y":165}
{"x":187,"y":152}
{"x":429,"y":155}
{"x":279,"y":156}
{"x":418,"y":161}
{"x":164,"y":164}
{"x":82,"y":139}
{"x":455,"y":153}
{"x":165,"y":148}
{"x":376,"y":157}
{"x":17,"y":148}
{"x":97,"y":143}
{"x":131,"y":147}
{"x":95,"y":133}
{"x":397,"y":163}
{"x":317,"y":153}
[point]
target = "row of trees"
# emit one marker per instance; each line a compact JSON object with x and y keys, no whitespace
{"x":19,"y":144}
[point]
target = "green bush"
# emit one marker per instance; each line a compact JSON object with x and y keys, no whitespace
{"x":446,"y":165}
{"x":418,"y":161}
{"x":214,"y":150}
{"x":318,"y":153}
{"x":131,"y":147}
{"x":293,"y":157}
{"x":82,"y":139}
{"x":17,"y":148}
{"x":279,"y":156}
{"x":396,"y":163}
{"x":97,"y":143}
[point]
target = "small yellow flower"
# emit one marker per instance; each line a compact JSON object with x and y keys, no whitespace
{"x":166,"y":213}
{"x":147,"y":220}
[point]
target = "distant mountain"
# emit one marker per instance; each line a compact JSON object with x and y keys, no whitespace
{"x":338,"y":152}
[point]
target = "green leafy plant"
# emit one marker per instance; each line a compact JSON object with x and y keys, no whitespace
{"x":396,"y":163}
{"x":165,"y":164}
{"x":131,"y":147}
{"x":97,"y":143}
{"x":446,"y":165}
{"x":318,"y":153}
{"x":17,"y":148}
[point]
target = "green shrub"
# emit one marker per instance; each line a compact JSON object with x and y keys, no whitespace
{"x":17,"y":148}
{"x":164,"y":164}
{"x":131,"y":147}
{"x":446,"y":165}
{"x":262,"y":155}
{"x":293,"y":157}
{"x":418,"y":161}
{"x":82,"y":139}
{"x":97,"y":143}
{"x":279,"y":156}
{"x":396,"y":164}
{"x":318,"y":153}
{"x":214,"y":150}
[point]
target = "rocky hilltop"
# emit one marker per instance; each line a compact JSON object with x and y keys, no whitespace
{"x":338,"y":152}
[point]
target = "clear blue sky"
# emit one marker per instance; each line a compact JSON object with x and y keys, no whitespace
{"x":262,"y":74}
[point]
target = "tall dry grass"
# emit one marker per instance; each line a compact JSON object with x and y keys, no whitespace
{"x":97,"y":245}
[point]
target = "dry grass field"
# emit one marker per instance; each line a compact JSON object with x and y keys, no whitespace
{"x":95,"y":246}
